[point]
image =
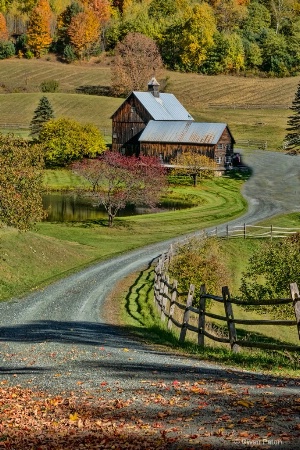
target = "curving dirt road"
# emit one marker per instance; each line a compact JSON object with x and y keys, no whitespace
{"x":56,"y":339}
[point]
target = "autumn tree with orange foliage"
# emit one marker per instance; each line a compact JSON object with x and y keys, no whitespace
{"x":3,"y":28}
{"x":84,"y":32}
{"x":102,"y":9}
{"x":39,"y":28}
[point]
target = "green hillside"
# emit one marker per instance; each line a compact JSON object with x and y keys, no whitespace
{"x":254,"y":108}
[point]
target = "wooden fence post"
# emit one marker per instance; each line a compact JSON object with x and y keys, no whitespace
{"x":164,"y":299}
{"x":186,"y":314}
{"x":201,"y":323}
{"x":296,"y":302}
{"x":172,"y":303}
{"x":229,"y":317}
{"x":157,"y":282}
{"x":161,"y":285}
{"x":170,"y":254}
{"x":271,"y":232}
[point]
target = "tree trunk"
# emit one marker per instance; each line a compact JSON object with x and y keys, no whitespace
{"x":110,"y":220}
{"x":194,"y":179}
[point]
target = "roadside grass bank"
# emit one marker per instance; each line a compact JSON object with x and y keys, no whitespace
{"x":33,"y":259}
{"x":131,"y":305}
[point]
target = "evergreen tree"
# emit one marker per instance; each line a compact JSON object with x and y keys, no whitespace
{"x":42,"y":114}
{"x":292,"y":138}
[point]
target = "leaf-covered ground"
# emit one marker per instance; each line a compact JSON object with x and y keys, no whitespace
{"x":157,"y":415}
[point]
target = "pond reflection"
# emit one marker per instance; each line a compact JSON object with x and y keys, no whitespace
{"x":71,"y":207}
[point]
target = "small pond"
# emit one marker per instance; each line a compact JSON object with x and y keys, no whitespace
{"x":71,"y":207}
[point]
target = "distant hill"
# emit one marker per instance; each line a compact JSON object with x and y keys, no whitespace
{"x":254,"y":108}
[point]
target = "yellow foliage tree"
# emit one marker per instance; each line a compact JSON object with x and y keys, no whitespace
{"x":84,"y":32}
{"x":39,"y":28}
{"x":235,"y":58}
{"x":193,"y":164}
{"x":3,"y":28}
{"x":197,"y":37}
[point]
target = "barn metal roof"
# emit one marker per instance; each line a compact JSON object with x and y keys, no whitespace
{"x":186,"y":132}
{"x":164,"y":107}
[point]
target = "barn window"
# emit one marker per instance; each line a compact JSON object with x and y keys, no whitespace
{"x":133,"y":110}
{"x":115,"y":135}
{"x":220,"y":146}
{"x":228,"y":147}
{"x":218,"y":159}
{"x":228,"y":159}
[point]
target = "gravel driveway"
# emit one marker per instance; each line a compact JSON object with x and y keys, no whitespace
{"x":56,"y":340}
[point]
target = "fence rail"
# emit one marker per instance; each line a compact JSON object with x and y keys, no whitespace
{"x":261,"y":145}
{"x":167,"y":301}
{"x":247,"y":106}
{"x":14,"y":125}
{"x":252,"y":231}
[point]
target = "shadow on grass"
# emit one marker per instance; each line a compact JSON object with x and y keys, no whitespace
{"x":91,"y":223}
{"x":104,"y":91}
{"x":135,"y":290}
{"x":242,"y":173}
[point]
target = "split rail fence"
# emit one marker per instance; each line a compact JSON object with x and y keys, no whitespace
{"x":249,"y":231}
{"x":176,"y":308}
{"x":261,"y":145}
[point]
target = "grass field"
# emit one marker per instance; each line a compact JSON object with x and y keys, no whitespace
{"x":56,"y":248}
{"x":254,"y":108}
{"x":19,"y":109}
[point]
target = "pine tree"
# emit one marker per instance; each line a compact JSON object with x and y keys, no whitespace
{"x":292,"y":138}
{"x":42,"y":114}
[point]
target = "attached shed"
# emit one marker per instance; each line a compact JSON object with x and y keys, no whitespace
{"x":134,"y":114}
{"x":166,"y":139}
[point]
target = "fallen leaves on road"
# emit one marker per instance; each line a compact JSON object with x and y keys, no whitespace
{"x":159,"y":415}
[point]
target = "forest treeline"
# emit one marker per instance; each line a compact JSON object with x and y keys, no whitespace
{"x":211,"y":37}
